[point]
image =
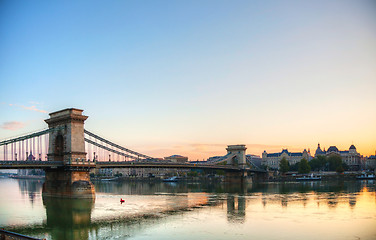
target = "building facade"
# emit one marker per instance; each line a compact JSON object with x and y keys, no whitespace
{"x":371,"y":162}
{"x":351,"y":157}
{"x":272,"y":160}
{"x":177,"y":159}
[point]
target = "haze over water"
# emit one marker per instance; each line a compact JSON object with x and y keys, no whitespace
{"x":311,"y":210}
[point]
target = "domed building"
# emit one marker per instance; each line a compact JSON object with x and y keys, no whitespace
{"x":319,"y":151}
{"x":351,"y":157}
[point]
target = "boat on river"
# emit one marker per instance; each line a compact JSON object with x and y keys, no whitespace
{"x":171,"y":179}
{"x":109,"y":179}
{"x":309,"y":178}
{"x":365,"y":176}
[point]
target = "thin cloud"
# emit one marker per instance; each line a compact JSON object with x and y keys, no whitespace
{"x":31,"y":108}
{"x":13,"y":126}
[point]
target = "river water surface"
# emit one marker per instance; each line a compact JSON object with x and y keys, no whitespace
{"x":309,"y":210}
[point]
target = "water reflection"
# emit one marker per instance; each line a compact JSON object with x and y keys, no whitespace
{"x":236,"y":206}
{"x":148,"y":205}
{"x":31,"y":188}
{"x":68,"y":218}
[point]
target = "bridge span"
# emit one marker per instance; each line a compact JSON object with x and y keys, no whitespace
{"x":109,"y":164}
{"x":67,"y":149}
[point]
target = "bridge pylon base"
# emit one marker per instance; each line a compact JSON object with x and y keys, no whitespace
{"x":238,"y":177}
{"x":68,"y":184}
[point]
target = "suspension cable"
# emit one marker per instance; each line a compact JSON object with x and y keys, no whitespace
{"x":115,"y":145}
{"x":109,"y":149}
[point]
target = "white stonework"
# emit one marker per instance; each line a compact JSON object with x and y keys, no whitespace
{"x":272,"y":160}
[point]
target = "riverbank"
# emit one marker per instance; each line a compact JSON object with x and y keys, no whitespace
{"x":325,"y":176}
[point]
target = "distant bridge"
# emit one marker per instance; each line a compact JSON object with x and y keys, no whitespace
{"x":107,"y":164}
{"x":67,"y":152}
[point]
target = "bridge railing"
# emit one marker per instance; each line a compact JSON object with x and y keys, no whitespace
{"x":80,"y":162}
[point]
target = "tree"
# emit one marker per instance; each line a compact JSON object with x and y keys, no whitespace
{"x":294,"y":167}
{"x":345,"y":166}
{"x":304,"y":166}
{"x":334,"y":161}
{"x":284,"y":166}
{"x":322,"y":159}
{"x":318,"y":163}
{"x":340,"y":169}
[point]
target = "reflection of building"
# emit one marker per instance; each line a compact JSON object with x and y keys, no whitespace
{"x":30,"y":188}
{"x":177,"y":159}
{"x":272,"y":159}
{"x":351,"y":157}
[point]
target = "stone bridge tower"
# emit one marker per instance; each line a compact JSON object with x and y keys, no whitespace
{"x":67,"y":144}
{"x":67,"y":141}
{"x":239,"y":159}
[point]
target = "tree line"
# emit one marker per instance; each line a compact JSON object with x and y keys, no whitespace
{"x":319,"y":163}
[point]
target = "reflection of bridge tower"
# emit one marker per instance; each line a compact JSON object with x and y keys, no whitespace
{"x":68,"y":218}
{"x":238,"y":155}
{"x":236,"y":208}
{"x":67,"y":144}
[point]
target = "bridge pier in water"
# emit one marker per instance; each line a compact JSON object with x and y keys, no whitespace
{"x":239,"y":177}
{"x":67,"y":144}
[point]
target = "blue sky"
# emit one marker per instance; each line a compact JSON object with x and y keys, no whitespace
{"x":190,"y":77}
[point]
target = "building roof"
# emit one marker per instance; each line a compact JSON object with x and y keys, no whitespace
{"x":332,"y":149}
{"x":174,"y":156}
{"x":318,"y":150}
{"x":291,"y":154}
{"x":352,"y":147}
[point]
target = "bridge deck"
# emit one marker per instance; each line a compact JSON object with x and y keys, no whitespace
{"x":87,"y":164}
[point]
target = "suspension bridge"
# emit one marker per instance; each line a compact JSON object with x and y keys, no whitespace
{"x":67,"y":152}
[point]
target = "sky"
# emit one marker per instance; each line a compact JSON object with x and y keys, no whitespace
{"x":191,"y":77}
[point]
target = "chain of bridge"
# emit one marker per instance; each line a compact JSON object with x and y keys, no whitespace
{"x":140,"y":160}
{"x":135,"y":155}
{"x":26,"y":137}
{"x":18,"y":148}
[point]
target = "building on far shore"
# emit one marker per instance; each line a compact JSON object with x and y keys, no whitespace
{"x":255,"y":160}
{"x":371,"y":163}
{"x":176,"y":159}
{"x":148,"y":172}
{"x":272,"y":160}
{"x":30,"y":172}
{"x":351,"y":157}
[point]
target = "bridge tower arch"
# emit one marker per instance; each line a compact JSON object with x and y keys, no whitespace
{"x":67,"y":140}
{"x":67,"y":144}
{"x":239,"y":158}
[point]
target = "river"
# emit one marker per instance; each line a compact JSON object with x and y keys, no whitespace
{"x":305,"y":210}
